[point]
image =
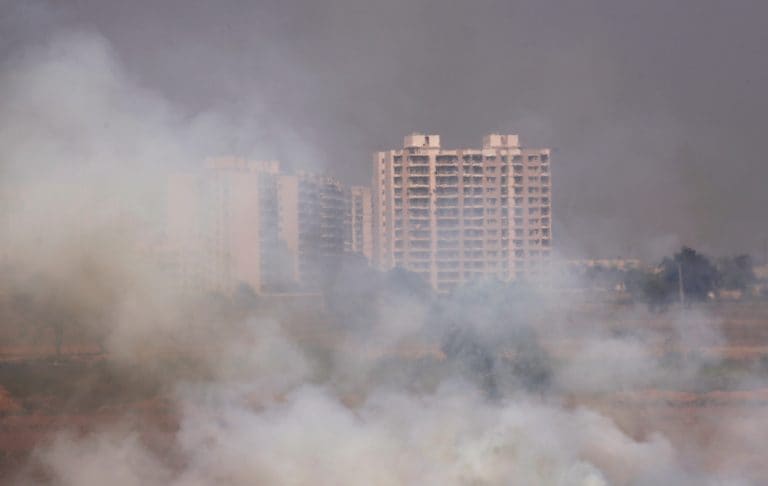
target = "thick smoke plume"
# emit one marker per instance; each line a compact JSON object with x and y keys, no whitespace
{"x":390,"y":386}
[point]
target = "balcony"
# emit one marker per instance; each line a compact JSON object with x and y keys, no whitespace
{"x":414,"y":213}
{"x":418,"y":181}
{"x":418,"y":159}
{"x":447,"y":265}
{"x":447,"y":180}
{"x":420,"y":244}
{"x":447,"y":254}
{"x":418,"y":202}
{"x":420,"y":234}
{"x":444,"y":202}
{"x":447,"y":212}
{"x":447,"y":191}
{"x":418,"y":170}
{"x":447,"y":234}
{"x":447,"y":244}
{"x":418,"y":191}
{"x":446,"y":169}
{"x":447,"y":222}
{"x":420,"y":255}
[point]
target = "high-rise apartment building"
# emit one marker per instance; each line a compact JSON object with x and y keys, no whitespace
{"x":455,"y":215}
{"x":244,"y":222}
{"x":360,"y":222}
{"x":312,"y":213}
{"x":222,"y":225}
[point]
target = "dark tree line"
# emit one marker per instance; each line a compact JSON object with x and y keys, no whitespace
{"x":687,"y":275}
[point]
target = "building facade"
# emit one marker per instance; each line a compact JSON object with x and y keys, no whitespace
{"x":313,"y":219}
{"x":457,"y":215}
{"x":222,"y":225}
{"x":360,"y":222}
{"x":246,"y":222}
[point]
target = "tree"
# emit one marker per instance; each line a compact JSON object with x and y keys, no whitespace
{"x":657,"y":292}
{"x":699,"y":275}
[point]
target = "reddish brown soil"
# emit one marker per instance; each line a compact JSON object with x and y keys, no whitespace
{"x":713,"y":430}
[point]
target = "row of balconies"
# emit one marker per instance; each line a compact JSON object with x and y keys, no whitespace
{"x":418,"y":170}
{"x":473,"y":160}
{"x":472,"y":258}
{"x":421,"y":217}
{"x":418,"y":191}
{"x":451,"y":215}
{"x":447,"y":169}
{"x":421,"y":194}
{"x":442,"y":202}
{"x":446,"y":178}
{"x":455,"y":239}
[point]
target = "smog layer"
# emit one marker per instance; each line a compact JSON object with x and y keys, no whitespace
{"x":109,"y":375}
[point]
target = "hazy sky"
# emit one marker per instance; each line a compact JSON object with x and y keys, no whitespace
{"x":656,"y":109}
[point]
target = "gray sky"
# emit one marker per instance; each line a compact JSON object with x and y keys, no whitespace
{"x":656,"y":109}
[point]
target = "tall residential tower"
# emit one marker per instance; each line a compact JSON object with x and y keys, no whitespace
{"x":241,"y":222}
{"x":455,"y":215}
{"x":360,"y":224}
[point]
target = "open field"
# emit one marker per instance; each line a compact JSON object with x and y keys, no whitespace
{"x":42,"y":395}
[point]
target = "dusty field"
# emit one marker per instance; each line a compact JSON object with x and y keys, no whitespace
{"x":41,"y":395}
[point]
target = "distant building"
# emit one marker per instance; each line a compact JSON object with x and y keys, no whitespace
{"x":312,"y":212}
{"x":360,"y":222}
{"x":245,"y":222}
{"x":455,"y":215}
{"x":222,"y":225}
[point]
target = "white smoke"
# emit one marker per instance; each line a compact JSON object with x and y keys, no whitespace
{"x":84,"y":150}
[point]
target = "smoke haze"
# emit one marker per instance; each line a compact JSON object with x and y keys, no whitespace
{"x":99,"y":102}
{"x":655,"y":107}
